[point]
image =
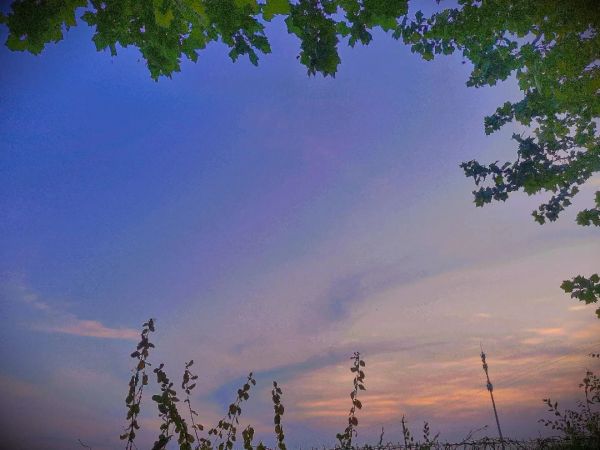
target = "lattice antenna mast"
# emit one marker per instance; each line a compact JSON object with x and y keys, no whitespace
{"x":491,"y":389}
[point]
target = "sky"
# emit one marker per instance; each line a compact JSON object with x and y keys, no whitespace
{"x":276,"y":223}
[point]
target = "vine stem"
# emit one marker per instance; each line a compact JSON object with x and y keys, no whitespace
{"x":192,"y":418}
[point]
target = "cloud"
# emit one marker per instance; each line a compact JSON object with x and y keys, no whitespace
{"x":419,"y":332}
{"x":440,"y":387}
{"x":91,"y":328}
{"x":483,"y":316}
{"x":578,"y":307}
{"x":32,"y":300}
{"x":52,"y":319}
{"x":556,"y":331}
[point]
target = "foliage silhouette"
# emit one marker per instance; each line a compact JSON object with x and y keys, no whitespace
{"x":138,"y":380}
{"x":276,"y":394}
{"x":225,"y":432}
{"x":551,"y":46}
{"x":227,"y":427}
{"x":581,"y":427}
{"x":167,"y":407}
{"x":345,"y":438}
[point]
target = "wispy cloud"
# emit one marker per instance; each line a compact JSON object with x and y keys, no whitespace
{"x":483,"y":316}
{"x":91,"y":328}
{"x":52,"y":319}
{"x":556,"y":331}
{"x":32,"y":300}
{"x":578,"y":307}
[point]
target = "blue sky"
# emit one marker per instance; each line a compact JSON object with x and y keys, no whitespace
{"x":272,"y":222}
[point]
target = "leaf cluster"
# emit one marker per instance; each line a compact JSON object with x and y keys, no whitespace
{"x":164,"y":31}
{"x":552,"y":48}
{"x":138,"y":380}
{"x":580,"y":426}
{"x":429,"y":442}
{"x":345,"y":438}
{"x":33,"y":24}
{"x":276,"y":394}
{"x":226,"y":429}
{"x":188,"y":384}
{"x":584,"y":289}
{"x":409,"y":440}
{"x":173,"y":422}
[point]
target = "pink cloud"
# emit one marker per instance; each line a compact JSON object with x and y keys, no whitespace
{"x":557,"y":331}
{"x":93,"y":328}
{"x":56,"y":320}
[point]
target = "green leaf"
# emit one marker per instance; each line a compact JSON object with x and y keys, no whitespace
{"x":251,"y":4}
{"x":163,"y":19}
{"x":275,"y":7}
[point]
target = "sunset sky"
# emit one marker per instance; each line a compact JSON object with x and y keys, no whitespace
{"x":276,"y":223}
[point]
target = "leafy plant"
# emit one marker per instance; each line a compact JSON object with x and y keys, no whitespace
{"x":429,"y":441}
{"x":226,"y":429}
{"x":188,"y":384}
{"x":167,"y":407}
{"x":276,"y":394}
{"x":136,"y":384}
{"x":173,"y":423}
{"x":345,"y":438}
{"x":580,"y":427}
{"x":408,"y":439}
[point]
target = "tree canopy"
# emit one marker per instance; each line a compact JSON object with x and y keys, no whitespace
{"x":551,"y":46}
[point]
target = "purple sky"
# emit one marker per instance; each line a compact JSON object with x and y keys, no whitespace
{"x":276,"y":223}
